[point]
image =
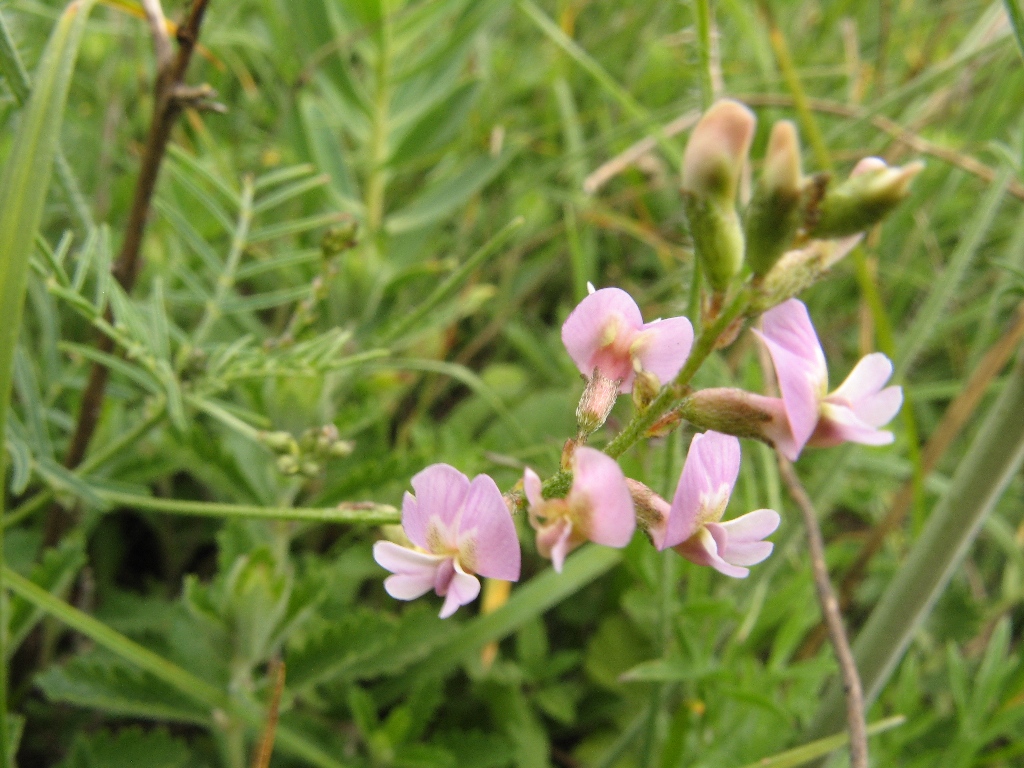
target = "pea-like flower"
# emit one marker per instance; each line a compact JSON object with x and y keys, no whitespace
{"x":853,"y":412}
{"x":459,"y":529}
{"x":694,"y":528}
{"x":598,"y":507}
{"x":606,"y":335}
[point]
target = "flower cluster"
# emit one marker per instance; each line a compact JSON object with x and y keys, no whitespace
{"x":785,"y":237}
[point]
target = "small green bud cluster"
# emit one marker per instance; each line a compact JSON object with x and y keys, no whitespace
{"x":786,"y":210}
{"x":307,"y":454}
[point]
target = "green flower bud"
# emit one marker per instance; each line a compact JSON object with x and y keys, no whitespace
{"x":712,"y":166}
{"x":279,"y":442}
{"x":861,"y":201}
{"x":287,"y":465}
{"x":773,"y":216}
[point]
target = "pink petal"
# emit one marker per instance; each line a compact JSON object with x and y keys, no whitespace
{"x":415,"y":572}
{"x":799,"y":365}
{"x":710,"y":470}
{"x":584,"y":331}
{"x":462,"y":589}
{"x":752,"y":526}
{"x":532,"y":486}
{"x":487,"y":522}
{"x":839,"y":424}
{"x":440,"y":492}
{"x":664,"y":347}
{"x":599,"y":486}
{"x":865,"y":380}
{"x":702,"y":549}
{"x":554,"y":541}
{"x":880,"y":409}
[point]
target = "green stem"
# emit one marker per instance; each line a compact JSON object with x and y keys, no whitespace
{"x":1016,"y":15}
{"x":707,"y":83}
{"x":357,"y":513}
{"x":376,"y":177}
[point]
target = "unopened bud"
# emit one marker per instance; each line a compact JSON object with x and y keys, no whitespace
{"x":736,"y":412}
{"x":280,"y":442}
{"x":311,"y":468}
{"x":341,"y":448}
{"x":646,"y":386}
{"x":596,"y":403}
{"x":773,"y":216}
{"x":341,"y":237}
{"x":651,"y":510}
{"x":712,"y":166}
{"x":864,"y":199}
{"x":287,"y":465}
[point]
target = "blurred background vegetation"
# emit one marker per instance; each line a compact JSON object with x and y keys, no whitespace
{"x":429,"y":128}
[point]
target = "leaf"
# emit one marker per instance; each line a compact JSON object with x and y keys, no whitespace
{"x":327,"y":150}
{"x":128,"y":748}
{"x":26,"y":180}
{"x":20,"y":458}
{"x":100,"y":682}
{"x":446,"y":195}
{"x":437,"y":127}
{"x":668,"y":671}
{"x":340,"y":649}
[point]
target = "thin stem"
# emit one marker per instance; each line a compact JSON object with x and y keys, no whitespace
{"x":376,"y":184}
{"x":707,"y":82}
{"x":266,"y":746}
{"x":347,"y":513}
{"x":833,"y":618}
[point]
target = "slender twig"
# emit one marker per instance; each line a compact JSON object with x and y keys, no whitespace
{"x":261,"y":759}
{"x":158,"y":27}
{"x":167,"y":106}
{"x":834,"y":619}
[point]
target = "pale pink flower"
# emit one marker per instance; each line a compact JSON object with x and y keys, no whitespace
{"x":813,"y":416}
{"x":607,"y":334}
{"x":694,"y":529}
{"x":460,"y":528}
{"x":598,"y":507}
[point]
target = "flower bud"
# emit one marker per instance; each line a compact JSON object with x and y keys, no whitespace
{"x":596,"y":403}
{"x":279,"y":442}
{"x":341,"y":448}
{"x":773,"y":216}
{"x":735,"y":412}
{"x":287,"y":465}
{"x":646,"y":386}
{"x":861,"y":201}
{"x":712,"y":165}
{"x":651,"y":510}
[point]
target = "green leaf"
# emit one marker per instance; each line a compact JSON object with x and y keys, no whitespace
{"x":437,"y":127}
{"x":100,"y":682}
{"x":668,"y":671}
{"x":128,"y":748}
{"x":328,"y":153}
{"x":447,"y":195}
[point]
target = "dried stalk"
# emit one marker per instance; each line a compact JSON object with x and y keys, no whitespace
{"x":833,"y":618}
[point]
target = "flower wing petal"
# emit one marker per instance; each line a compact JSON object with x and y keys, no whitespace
{"x":665,"y":346}
{"x":600,"y":487}
{"x":414,"y":572}
{"x":496,"y":552}
{"x":865,"y":380}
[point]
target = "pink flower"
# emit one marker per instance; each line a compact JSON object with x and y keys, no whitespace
{"x":598,"y":507}
{"x":693,"y":528}
{"x":460,"y":528}
{"x":606,"y":334}
{"x":814,"y":416}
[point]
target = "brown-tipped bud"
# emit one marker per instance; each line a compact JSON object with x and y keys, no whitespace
{"x":651,"y":510}
{"x":646,"y":386}
{"x":773,"y":216}
{"x":596,"y":403}
{"x":717,"y":151}
{"x":712,"y":167}
{"x":871,"y":192}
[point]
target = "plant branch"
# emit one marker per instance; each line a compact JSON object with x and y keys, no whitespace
{"x":166,"y":109}
{"x":833,"y":618}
